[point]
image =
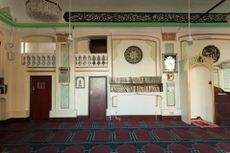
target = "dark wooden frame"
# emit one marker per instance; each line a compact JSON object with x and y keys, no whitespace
{"x":31,"y":94}
{"x":106,"y":89}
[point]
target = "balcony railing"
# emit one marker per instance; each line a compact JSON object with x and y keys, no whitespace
{"x":39,"y":59}
{"x":49,"y":60}
{"x":91,"y":60}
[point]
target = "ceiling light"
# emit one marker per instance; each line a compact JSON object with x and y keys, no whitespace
{"x":43,"y":10}
{"x":189,"y":40}
{"x":70,"y":37}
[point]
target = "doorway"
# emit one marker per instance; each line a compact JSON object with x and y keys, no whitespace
{"x":40,"y":97}
{"x":201,"y":93}
{"x":97,"y":97}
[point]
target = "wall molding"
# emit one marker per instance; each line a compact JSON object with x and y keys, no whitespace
{"x":5,"y":19}
{"x":144,"y":17}
{"x":63,"y":113}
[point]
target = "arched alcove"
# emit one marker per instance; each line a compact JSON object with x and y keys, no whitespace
{"x":201,"y":95}
{"x":196,"y":89}
{"x":38,"y":44}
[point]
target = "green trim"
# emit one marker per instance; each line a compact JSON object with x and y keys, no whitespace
{"x":10,"y":22}
{"x":6,"y":19}
{"x":64,"y":96}
{"x":41,"y":25}
{"x":116,"y":25}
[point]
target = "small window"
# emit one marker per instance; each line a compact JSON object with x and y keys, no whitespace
{"x":98,"y":46}
{"x":169,"y":63}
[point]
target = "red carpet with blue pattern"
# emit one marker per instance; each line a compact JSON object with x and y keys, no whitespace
{"x":117,"y":136}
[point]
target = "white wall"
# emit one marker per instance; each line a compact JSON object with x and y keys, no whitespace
{"x":82,"y":46}
{"x":16,"y":76}
{"x":141,"y":105}
{"x":183,"y":88}
{"x":145,"y":38}
{"x":198,"y":45}
{"x":217,"y":38}
{"x":146,"y":67}
{"x":44,"y":47}
{"x":82,"y":94}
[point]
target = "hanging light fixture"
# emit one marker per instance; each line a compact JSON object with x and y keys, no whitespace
{"x":70,"y":37}
{"x":43,"y":10}
{"x":189,"y":39}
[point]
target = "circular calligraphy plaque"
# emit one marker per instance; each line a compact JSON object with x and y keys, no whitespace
{"x":133,"y":54}
{"x":211,"y":51}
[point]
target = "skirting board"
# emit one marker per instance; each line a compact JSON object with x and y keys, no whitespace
{"x":82,"y":118}
{"x":14,"y":114}
{"x":139,"y":117}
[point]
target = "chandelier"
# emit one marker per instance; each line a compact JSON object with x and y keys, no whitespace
{"x":43,"y":10}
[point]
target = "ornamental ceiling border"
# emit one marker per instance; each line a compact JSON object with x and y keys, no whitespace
{"x":144,"y":17}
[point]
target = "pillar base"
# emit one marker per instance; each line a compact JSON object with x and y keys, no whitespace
{"x":63,"y":113}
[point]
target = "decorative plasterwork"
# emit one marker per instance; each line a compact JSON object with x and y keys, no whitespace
{"x":211,"y":51}
{"x":133,"y":54}
{"x":43,"y":10}
{"x":10,"y":22}
{"x":143,"y":17}
{"x":169,"y":36}
{"x":197,"y":60}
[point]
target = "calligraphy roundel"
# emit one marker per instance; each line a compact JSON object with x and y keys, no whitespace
{"x":211,"y":51}
{"x":133,"y":54}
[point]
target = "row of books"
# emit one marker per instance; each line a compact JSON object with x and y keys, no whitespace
{"x":147,"y":79}
{"x":133,"y":88}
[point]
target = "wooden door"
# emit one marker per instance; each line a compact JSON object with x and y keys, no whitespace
{"x":40,"y":97}
{"x":97,"y":98}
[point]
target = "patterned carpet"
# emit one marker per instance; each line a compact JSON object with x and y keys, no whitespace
{"x":126,"y":136}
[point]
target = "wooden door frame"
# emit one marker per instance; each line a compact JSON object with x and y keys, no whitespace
{"x":30,"y":89}
{"x":105,"y":90}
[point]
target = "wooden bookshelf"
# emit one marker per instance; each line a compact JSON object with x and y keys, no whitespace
{"x":134,"y":84}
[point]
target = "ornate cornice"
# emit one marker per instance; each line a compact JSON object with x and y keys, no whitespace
{"x":144,"y":17}
{"x":222,"y":22}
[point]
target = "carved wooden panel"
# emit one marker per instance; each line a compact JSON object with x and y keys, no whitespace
{"x":169,"y":36}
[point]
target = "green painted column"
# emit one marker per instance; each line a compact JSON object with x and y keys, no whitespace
{"x":64,"y":105}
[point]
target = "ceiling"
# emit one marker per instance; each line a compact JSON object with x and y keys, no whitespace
{"x":16,"y":8}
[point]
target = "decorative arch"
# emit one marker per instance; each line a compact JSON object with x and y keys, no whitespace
{"x":201,"y":37}
{"x":152,"y":41}
{"x":201,"y":60}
